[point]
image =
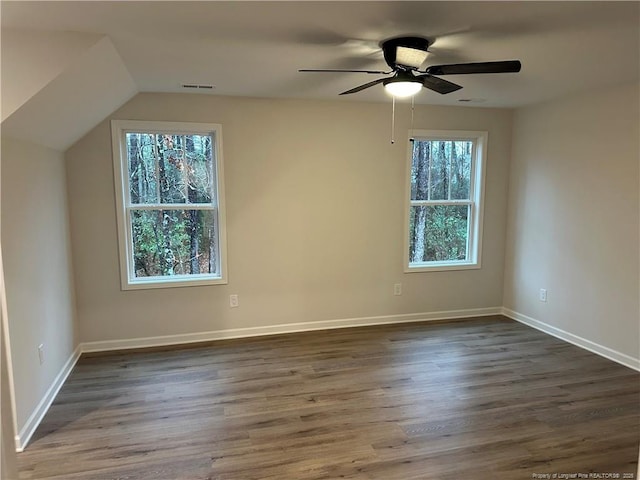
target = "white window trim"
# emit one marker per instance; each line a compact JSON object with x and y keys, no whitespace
{"x":128,"y":281}
{"x":476,"y":195}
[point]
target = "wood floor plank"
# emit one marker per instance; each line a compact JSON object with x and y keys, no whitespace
{"x":484,"y":398}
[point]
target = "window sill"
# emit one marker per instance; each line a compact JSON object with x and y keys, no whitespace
{"x":174,"y":282}
{"x":441,"y":267}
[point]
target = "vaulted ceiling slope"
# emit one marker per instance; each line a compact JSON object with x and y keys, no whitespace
{"x":104,"y":52}
{"x":56,"y":100}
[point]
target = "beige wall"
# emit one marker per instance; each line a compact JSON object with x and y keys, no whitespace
{"x":315,"y":208}
{"x":573,"y":217}
{"x":37,"y":271}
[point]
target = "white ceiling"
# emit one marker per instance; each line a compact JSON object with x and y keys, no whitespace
{"x":255,"y":48}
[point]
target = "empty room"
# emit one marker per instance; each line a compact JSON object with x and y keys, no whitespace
{"x":320,"y":240}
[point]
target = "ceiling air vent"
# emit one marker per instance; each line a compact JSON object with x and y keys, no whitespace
{"x":471,"y":100}
{"x":197,"y":86}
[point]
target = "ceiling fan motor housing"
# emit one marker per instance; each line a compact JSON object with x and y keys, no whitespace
{"x":416,"y":45}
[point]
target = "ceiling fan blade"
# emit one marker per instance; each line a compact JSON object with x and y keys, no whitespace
{"x":508,"y":66}
{"x":362,"y":87}
{"x":376,"y":72}
{"x":438,"y":84}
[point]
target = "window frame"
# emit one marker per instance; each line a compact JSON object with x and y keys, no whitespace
{"x":476,"y":200}
{"x":128,"y":280}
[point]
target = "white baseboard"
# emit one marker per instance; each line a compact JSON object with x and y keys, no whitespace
{"x":28,"y":429}
{"x":606,"y":352}
{"x":284,"y":328}
{"x":36,"y":417}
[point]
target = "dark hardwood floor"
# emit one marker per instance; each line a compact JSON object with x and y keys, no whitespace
{"x":481,"y":399}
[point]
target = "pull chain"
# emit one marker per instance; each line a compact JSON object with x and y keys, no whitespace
{"x":412,"y":109}
{"x":393,"y":120}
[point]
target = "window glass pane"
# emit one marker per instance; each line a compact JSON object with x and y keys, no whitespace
{"x":143,"y":187}
{"x":174,"y":242}
{"x":420,"y":170}
{"x":439,"y":170}
{"x":199,"y":168}
{"x":438,"y":233}
{"x":171,"y":169}
{"x":461,"y":170}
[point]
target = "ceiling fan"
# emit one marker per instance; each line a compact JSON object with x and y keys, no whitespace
{"x":405,"y":56}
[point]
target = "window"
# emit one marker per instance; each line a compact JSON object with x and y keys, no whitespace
{"x":170,"y":203}
{"x":445,"y":189}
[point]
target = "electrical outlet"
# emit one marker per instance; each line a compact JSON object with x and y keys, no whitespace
{"x":233,"y":301}
{"x":397,"y":289}
{"x":41,"y":353}
{"x":543,"y":295}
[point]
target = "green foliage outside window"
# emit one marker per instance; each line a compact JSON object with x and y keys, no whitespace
{"x":173,"y":219}
{"x":440,"y":201}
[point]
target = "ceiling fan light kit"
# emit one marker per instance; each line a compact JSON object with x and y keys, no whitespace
{"x":405,"y":55}
{"x":402,"y":88}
